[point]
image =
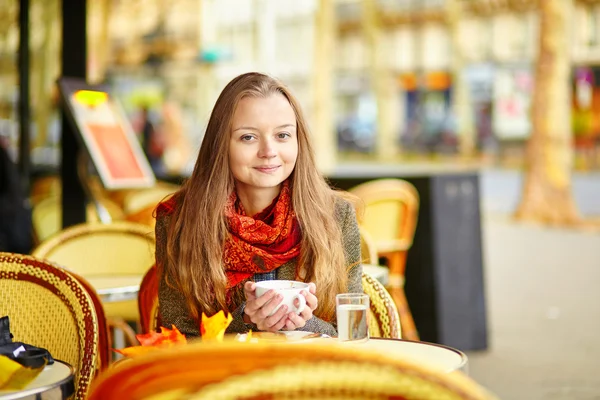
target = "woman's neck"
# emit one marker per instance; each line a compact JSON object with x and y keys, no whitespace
{"x":255,"y":200}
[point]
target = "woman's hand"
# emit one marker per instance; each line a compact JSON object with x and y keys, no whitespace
{"x":257,"y":309}
{"x":295,"y":321}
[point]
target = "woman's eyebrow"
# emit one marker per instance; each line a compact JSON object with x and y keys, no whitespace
{"x":286,"y":126}
{"x":250,"y":128}
{"x":246,"y":128}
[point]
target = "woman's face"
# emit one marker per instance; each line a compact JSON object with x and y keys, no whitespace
{"x":263,"y":146}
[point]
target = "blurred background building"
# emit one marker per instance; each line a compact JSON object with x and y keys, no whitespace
{"x":408,"y":78}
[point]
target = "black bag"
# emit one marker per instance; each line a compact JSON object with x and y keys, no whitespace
{"x":32,"y":356}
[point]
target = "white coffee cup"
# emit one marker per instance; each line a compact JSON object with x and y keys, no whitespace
{"x":290,"y":290}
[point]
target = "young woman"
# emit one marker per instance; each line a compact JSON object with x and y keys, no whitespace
{"x":254,"y":209}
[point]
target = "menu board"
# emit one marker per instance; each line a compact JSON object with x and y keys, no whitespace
{"x":104,"y":130}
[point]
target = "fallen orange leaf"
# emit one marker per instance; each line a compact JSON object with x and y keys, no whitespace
{"x":165,"y":336}
{"x":154,"y":340}
{"x":213,"y":328}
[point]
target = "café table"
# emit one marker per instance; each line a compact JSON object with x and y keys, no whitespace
{"x":53,"y":383}
{"x":116,"y":288}
{"x":437,"y":356}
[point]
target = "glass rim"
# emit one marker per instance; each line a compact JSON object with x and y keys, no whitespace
{"x":351,"y":296}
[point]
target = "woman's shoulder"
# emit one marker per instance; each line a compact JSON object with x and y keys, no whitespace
{"x":167,"y":207}
{"x":345,"y":205}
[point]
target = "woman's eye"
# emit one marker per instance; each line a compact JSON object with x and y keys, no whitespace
{"x":283,"y":135}
{"x":247,"y":138}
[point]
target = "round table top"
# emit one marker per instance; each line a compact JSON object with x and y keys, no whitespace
{"x":54,"y":382}
{"x":116,"y":287}
{"x":438,"y":356}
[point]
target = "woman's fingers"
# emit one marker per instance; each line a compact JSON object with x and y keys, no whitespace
{"x":253,"y":305}
{"x":306,"y":314}
{"x":312,"y":287}
{"x":249,"y":290}
{"x":296,"y":320}
{"x":311,"y":300}
{"x":267,"y":308}
{"x":275,"y":322}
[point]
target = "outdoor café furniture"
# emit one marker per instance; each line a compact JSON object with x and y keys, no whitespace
{"x":55,"y":382}
{"x":275,"y":370}
{"x":384,"y":320}
{"x":49,"y":308}
{"x":111,"y":288}
{"x":389,"y":219}
{"x":47,"y":215}
{"x":444,"y":268}
{"x":118,"y":250}
{"x":441,"y":357}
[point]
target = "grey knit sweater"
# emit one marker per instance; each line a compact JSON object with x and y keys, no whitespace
{"x":174,"y":310}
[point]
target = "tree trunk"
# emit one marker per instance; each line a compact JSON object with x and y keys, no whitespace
{"x":547,"y":196}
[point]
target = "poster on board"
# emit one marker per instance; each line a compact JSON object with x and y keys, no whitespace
{"x":106,"y":134}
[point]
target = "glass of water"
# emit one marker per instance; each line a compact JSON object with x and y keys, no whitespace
{"x":351,"y":310}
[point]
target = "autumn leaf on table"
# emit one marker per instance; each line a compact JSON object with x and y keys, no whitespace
{"x":154,"y":340}
{"x":213,"y":328}
{"x":14,"y":376}
{"x":166,"y":336}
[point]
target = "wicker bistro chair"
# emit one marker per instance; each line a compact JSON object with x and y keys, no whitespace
{"x":383,"y":316}
{"x":48,"y":307}
{"x":101,"y":250}
{"x":384,"y":320}
{"x":391,"y":208}
{"x":47,"y":215}
{"x":233,"y":370}
{"x":104,"y":339}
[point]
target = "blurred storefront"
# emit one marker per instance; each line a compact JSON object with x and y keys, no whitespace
{"x":428,"y":124}
{"x":512,"y":95}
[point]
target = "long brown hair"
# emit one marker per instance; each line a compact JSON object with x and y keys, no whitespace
{"x":198,"y":229}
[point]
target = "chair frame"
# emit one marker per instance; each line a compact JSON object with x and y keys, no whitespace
{"x":44,"y":249}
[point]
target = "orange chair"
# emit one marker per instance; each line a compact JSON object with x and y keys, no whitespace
{"x":391,"y":208}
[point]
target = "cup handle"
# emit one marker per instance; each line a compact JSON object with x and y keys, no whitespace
{"x":302,"y":302}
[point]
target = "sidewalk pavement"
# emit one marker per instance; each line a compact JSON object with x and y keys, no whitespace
{"x":543,"y":306}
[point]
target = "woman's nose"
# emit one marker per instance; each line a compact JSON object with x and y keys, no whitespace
{"x":267,"y":150}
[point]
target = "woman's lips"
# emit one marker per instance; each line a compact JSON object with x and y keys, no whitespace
{"x":268,"y":169}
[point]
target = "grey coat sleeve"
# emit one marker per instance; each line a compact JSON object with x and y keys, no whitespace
{"x":351,"y":243}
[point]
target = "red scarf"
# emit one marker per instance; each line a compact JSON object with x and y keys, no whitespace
{"x":260,"y":243}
